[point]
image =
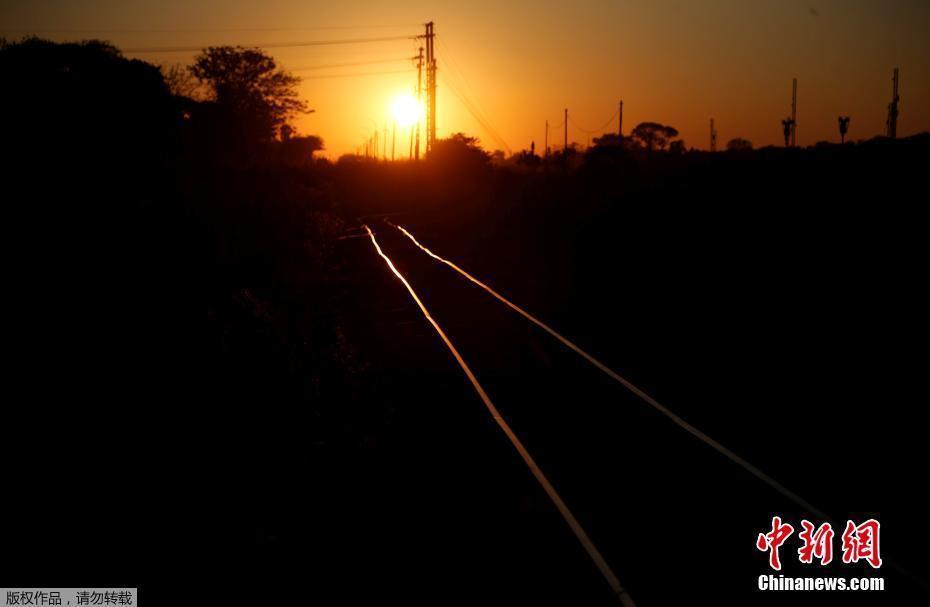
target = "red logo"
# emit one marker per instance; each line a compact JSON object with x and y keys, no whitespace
{"x":773,"y":540}
{"x":860,"y":542}
{"x":817,"y":544}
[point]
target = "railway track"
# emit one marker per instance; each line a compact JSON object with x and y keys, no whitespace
{"x":626,"y":472}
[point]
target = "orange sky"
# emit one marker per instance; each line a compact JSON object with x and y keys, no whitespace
{"x":522,"y":62}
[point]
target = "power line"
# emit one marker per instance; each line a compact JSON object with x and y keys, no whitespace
{"x":457,"y":71}
{"x":187,"y":49}
{"x":218,"y":30}
{"x":476,"y":114}
{"x":308,"y":68}
{"x":383,"y":73}
{"x":471,"y":104}
{"x":597,"y":130}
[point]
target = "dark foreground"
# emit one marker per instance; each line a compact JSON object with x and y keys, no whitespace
{"x":213,"y":389}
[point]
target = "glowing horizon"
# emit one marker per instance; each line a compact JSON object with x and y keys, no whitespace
{"x":519,"y":64}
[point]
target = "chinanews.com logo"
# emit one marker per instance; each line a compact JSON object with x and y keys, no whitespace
{"x":858,"y":543}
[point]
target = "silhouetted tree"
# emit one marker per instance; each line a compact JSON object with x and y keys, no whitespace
{"x":610,"y":140}
{"x":298,"y":150}
{"x":182,"y":83}
{"x":609,"y":149}
{"x":83,"y":99}
{"x":653,"y":135}
{"x":844,"y":128}
{"x":252,"y":94}
{"x":739,"y":144}
{"x":527,"y":158}
{"x":566,"y":157}
{"x":676,"y":147}
{"x":458,"y":149}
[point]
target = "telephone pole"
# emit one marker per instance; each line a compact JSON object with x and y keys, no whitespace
{"x":419,"y":98}
{"x":393,"y":139}
{"x":546,"y":146}
{"x":620,"y":120}
{"x":794,"y":112}
{"x":844,"y":128}
{"x":713,"y":136}
{"x":892,"y":122}
{"x":565,"y":149}
{"x":430,"y":87}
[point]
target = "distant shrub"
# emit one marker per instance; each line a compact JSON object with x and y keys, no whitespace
{"x":739,"y":144}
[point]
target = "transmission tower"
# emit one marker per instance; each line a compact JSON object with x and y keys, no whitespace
{"x":893,"y":108}
{"x":713,"y":136}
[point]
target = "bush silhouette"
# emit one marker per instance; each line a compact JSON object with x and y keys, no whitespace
{"x":739,"y":144}
{"x":85,"y":99}
{"x":653,"y":135}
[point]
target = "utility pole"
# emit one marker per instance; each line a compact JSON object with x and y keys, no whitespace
{"x":430,"y":87}
{"x":565,"y":149}
{"x":546,"y":146}
{"x":620,"y":120}
{"x":393,"y":139}
{"x":786,"y":125}
{"x":844,"y":128}
{"x":713,"y":136}
{"x":892,"y":122}
{"x":794,"y":112}
{"x":384,"y":144}
{"x":419,"y":98}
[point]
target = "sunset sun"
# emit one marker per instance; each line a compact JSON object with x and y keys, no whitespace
{"x":405,"y":110}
